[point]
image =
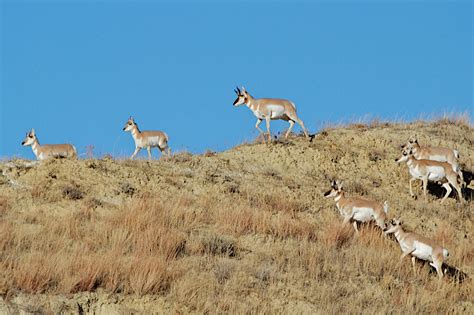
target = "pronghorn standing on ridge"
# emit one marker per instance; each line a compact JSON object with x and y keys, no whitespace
{"x":357,"y":209}
{"x":46,"y":151}
{"x":440,"y":154}
{"x":147,"y":139}
{"x":270,"y":109}
{"x":430,"y":170}
{"x":418,"y":246}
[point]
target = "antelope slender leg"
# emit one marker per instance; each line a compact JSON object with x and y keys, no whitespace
{"x":137,"y":149}
{"x":408,"y":252}
{"x":413,"y":259}
{"x":257,"y":125}
{"x":448,"y":191}
{"x":354,"y":224}
{"x":149,"y":152}
{"x":437,"y":265}
{"x":267,"y":119}
{"x":292,"y":123}
{"x":425,"y":186}
{"x":454,"y":183}
{"x":299,"y":121}
{"x":411,"y":191}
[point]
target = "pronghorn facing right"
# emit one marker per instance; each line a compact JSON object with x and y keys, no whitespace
{"x":147,"y":139}
{"x":357,"y":209}
{"x":270,"y":109}
{"x":43,"y":152}
{"x":430,"y":170}
{"x":440,"y":154}
{"x":418,"y":246}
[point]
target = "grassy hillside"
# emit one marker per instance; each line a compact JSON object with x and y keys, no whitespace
{"x":242,"y":230}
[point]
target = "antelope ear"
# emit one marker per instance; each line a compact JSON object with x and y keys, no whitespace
{"x":32,"y":131}
{"x":243,"y":90}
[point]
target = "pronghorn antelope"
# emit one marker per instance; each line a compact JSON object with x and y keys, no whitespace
{"x":269,"y":109}
{"x":440,"y":154}
{"x":46,"y":151}
{"x":147,"y":139}
{"x":357,"y":209}
{"x":430,"y":170}
{"x":418,"y":246}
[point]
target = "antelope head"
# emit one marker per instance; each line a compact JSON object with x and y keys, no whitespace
{"x":30,"y":138}
{"x":393,"y":226}
{"x":242,"y":96}
{"x":336,"y":189}
{"x":406,"y":153}
{"x":129,"y":124}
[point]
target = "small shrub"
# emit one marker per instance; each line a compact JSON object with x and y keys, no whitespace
{"x":182,"y":157}
{"x":127,"y":189}
{"x":72,"y":193}
{"x":215,"y":245}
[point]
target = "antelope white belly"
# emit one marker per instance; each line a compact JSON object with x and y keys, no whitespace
{"x":154,"y":141}
{"x":422,"y":251}
{"x":276,"y":111}
{"x":362,"y":214}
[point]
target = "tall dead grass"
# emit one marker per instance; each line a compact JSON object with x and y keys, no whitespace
{"x":241,"y":231}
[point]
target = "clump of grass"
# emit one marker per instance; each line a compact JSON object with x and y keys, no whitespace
{"x":214,"y":245}
{"x":127,"y":189}
{"x":223,"y":270}
{"x":72,"y":192}
{"x":4,"y":205}
{"x":337,"y":235}
{"x":182,"y":157}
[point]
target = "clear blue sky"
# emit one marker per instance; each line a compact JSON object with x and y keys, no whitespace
{"x":76,"y":70}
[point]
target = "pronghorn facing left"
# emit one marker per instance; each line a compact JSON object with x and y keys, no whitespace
{"x":47,"y":151}
{"x":431,"y":170}
{"x":357,"y":209}
{"x":418,"y":246}
{"x":270,"y":109}
{"x":440,"y":154}
{"x":147,"y":139}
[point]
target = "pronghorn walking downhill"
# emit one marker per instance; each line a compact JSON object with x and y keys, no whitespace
{"x":43,"y":152}
{"x":357,"y":209}
{"x":147,"y":139}
{"x":418,"y":246}
{"x":440,"y":154}
{"x":428,"y":170}
{"x":270,"y":109}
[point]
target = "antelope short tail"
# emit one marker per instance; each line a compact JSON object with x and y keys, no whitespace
{"x":74,"y":155}
{"x":385,"y":206}
{"x":456,"y":154}
{"x":445,"y":253}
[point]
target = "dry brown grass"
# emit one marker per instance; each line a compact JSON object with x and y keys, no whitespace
{"x":246,"y":230}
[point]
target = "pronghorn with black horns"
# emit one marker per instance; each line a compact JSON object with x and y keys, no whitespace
{"x":43,"y":152}
{"x":357,"y":209}
{"x":270,"y":109}
{"x":426,"y":170}
{"x":440,"y":154}
{"x":418,"y":246}
{"x":147,"y":139}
